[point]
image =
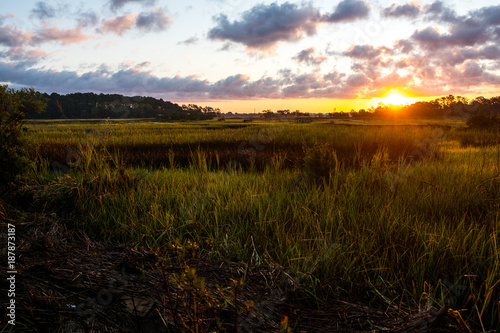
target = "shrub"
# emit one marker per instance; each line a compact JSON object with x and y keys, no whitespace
{"x":319,"y":162}
{"x":14,"y":105}
{"x":484,"y":121}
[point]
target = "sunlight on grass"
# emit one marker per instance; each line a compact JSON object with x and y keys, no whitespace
{"x":352,"y":212}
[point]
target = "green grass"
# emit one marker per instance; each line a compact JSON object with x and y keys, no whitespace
{"x":339,"y":208}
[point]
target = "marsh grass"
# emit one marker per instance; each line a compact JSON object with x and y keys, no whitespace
{"x":334,"y":223}
{"x":252,"y":146}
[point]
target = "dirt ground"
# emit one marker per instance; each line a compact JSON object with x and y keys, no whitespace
{"x":66,"y":282}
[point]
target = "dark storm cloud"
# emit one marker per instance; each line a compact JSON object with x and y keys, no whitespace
{"x":118,"y":4}
{"x":43,"y":11}
{"x":265,"y":25}
{"x":348,"y":10}
{"x":409,"y":10}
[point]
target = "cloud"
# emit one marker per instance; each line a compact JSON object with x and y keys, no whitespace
{"x":21,"y":53}
{"x":304,"y":85}
{"x":14,"y":37}
{"x":64,"y":36}
{"x":3,"y":17}
{"x":458,"y":56}
{"x":348,"y":10}
{"x":239,"y":86}
{"x":453,"y":69}
{"x":478,"y":27}
{"x":154,"y":20}
{"x":425,"y":76}
{"x":462,"y":57}
{"x":491,"y":52}
{"x":189,"y":41}
{"x":404,"y":46}
{"x":472,"y":69}
{"x":431,"y":38}
{"x":137,"y":81}
{"x":114,"y":5}
{"x":488,"y":15}
{"x":118,"y":25}
{"x":438,"y":11}
{"x":125,"y":81}
{"x":10,"y":36}
{"x":88,"y":19}
{"x":141,"y":66}
{"x":262,"y":27}
{"x":307,"y":56}
{"x":43,"y":11}
{"x":363,"y":52}
{"x":409,"y":10}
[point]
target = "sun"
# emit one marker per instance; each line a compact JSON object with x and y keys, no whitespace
{"x":394,"y":97}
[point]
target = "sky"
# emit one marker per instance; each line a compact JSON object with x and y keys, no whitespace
{"x":246,"y":55}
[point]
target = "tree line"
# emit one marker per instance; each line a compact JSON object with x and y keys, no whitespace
{"x":447,"y":107}
{"x":115,"y":106}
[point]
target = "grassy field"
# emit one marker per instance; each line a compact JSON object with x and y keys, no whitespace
{"x":399,"y":213}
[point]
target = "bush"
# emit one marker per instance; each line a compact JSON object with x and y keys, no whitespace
{"x":484,"y":121}
{"x":319,"y":162}
{"x":14,"y":105}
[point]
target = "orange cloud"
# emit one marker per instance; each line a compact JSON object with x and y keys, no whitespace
{"x":64,"y":36}
{"x":119,"y":25}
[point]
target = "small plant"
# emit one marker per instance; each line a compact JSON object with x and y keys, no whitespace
{"x":191,"y":304}
{"x":195,"y":298}
{"x":285,"y":325}
{"x":231,"y":302}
